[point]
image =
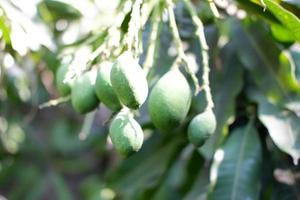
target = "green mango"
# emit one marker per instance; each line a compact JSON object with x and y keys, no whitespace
{"x":103,"y":88}
{"x":83,"y":95}
{"x":202,"y":127}
{"x":129,"y":81}
{"x":126,"y":134}
{"x":63,"y":88}
{"x":170,"y":100}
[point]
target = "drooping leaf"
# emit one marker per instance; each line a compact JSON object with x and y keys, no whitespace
{"x":288,"y":19}
{"x":281,"y":33}
{"x":60,"y":187}
{"x":283,"y":125}
{"x":200,"y":186}
{"x":144,"y":171}
{"x":235,"y":172}
{"x":269,"y":67}
{"x":57,"y":9}
{"x":181,"y":176}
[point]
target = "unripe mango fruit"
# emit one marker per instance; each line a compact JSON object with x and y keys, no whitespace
{"x":83,"y":95}
{"x":63,"y":88}
{"x":126,"y":134}
{"x":103,"y":88}
{"x":170,"y":100}
{"x":202,"y":127}
{"x":129,"y":81}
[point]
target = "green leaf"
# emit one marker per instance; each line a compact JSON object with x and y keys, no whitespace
{"x":281,"y":33}
{"x":288,"y":19}
{"x":283,"y":125}
{"x":58,"y":10}
{"x":296,"y":58}
{"x":200,"y":186}
{"x":235,"y":172}
{"x":60,"y":186}
{"x":269,"y":67}
{"x":142,"y":172}
{"x":181,"y":176}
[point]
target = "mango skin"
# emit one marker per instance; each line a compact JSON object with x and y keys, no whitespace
{"x":170,"y":100}
{"x":129,"y":81}
{"x":202,"y":127}
{"x":83,"y":95}
{"x":63,"y":88}
{"x":126,"y":134}
{"x":103,"y":88}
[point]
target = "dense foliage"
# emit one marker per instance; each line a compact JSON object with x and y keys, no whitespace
{"x":150,"y":99}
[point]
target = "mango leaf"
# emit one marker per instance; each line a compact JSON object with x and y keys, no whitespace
{"x":140,"y":174}
{"x":283,"y":125}
{"x":235,"y":172}
{"x":181,"y":176}
{"x":60,"y":186}
{"x":269,"y":67}
{"x":288,"y":19}
{"x":257,"y":10}
{"x":200,"y":186}
{"x":58,"y":10}
{"x":281,"y":33}
{"x":296,"y":58}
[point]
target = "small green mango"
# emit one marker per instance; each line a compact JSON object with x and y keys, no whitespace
{"x":170,"y":100}
{"x":202,"y":127}
{"x":83,"y":95}
{"x":63,"y":88}
{"x":126,"y":134}
{"x":103,"y":88}
{"x":129,"y":81}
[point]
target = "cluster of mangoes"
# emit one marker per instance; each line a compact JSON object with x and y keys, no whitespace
{"x":122,"y":86}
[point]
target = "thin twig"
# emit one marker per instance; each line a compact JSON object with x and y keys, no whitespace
{"x":213,"y":8}
{"x":204,"y":52}
{"x":181,"y":55}
{"x":134,"y":27}
{"x":87,"y":125}
{"x":152,"y":41}
{"x":263,"y":4}
{"x":55,"y":102}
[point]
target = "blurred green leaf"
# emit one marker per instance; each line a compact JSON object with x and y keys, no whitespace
{"x":181,"y":176}
{"x":283,"y":125}
{"x":281,"y":33}
{"x":145,"y":170}
{"x":269,"y":67}
{"x":56,"y":9}
{"x":27,"y":178}
{"x":236,"y":170}
{"x":60,"y":187}
{"x":4,"y":28}
{"x":288,"y":19}
{"x":200,"y":186}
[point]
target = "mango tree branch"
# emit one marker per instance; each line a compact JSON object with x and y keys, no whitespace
{"x":155,"y":19}
{"x":213,"y":8}
{"x":55,"y":102}
{"x":204,"y":52}
{"x":134,"y":27}
{"x":181,"y":55}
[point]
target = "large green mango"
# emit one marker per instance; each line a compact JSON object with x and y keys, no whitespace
{"x":126,"y":134}
{"x":129,"y":81}
{"x":170,"y":100}
{"x":103,"y":87}
{"x":83,"y":95}
{"x":202,"y":127}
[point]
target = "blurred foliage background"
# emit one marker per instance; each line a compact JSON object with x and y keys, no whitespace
{"x":54,"y":153}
